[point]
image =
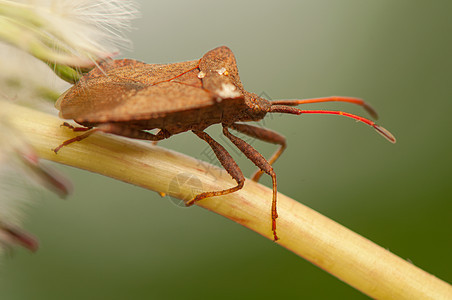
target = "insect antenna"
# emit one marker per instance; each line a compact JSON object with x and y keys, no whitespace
{"x":353,"y":100}
{"x":291,"y":110}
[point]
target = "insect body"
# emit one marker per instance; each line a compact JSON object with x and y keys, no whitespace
{"x":127,"y":97}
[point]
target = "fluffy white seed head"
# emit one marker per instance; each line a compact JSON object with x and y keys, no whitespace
{"x":75,"y":32}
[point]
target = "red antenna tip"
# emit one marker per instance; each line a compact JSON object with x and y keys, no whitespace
{"x":385,"y":133}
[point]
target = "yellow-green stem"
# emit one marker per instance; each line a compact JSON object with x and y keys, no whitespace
{"x":334,"y":248}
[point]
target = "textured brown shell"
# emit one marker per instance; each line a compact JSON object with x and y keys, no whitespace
{"x":128,"y":90}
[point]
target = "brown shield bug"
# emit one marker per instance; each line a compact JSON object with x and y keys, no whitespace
{"x":127,"y":97}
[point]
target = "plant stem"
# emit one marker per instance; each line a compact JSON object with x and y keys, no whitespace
{"x":334,"y":248}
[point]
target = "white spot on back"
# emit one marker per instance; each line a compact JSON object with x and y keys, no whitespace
{"x":201,"y":75}
{"x":228,"y":90}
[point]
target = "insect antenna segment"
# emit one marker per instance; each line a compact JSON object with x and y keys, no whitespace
{"x":284,"y":106}
{"x":353,"y":100}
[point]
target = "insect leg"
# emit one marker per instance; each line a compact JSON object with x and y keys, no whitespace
{"x":262,"y":164}
{"x":265,"y":135}
{"x":66,"y":124}
{"x":118,"y":130}
{"x":75,"y":139}
{"x":226,"y":161}
{"x":131,"y":132}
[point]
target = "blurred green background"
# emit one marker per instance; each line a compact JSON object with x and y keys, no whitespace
{"x":112,"y":240}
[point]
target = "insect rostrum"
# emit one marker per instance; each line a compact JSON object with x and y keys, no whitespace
{"x":127,"y":97}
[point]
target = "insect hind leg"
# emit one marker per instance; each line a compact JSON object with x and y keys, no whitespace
{"x":66,"y":124}
{"x":76,"y":139}
{"x":116,"y":129}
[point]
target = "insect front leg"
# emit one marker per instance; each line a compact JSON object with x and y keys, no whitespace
{"x":226,"y":161}
{"x":265,"y":135}
{"x":262,"y":164}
